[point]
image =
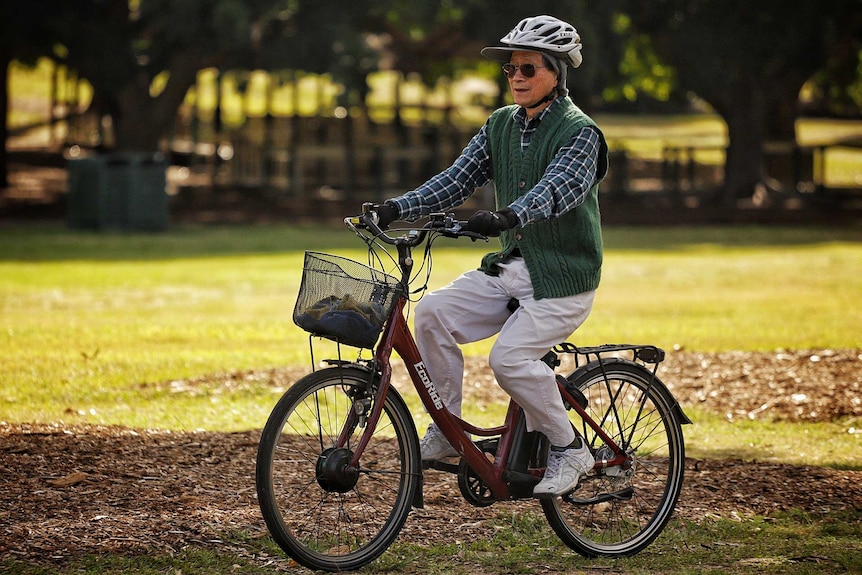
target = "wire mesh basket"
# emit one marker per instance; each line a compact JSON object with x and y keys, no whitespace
{"x":344,"y":300}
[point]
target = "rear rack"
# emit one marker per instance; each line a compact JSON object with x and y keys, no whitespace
{"x":644,"y":353}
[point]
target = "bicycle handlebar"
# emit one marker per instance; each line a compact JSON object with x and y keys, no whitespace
{"x":446,"y":224}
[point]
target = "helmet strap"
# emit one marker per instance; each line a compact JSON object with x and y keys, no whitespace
{"x":559,"y":67}
{"x":552,"y":95}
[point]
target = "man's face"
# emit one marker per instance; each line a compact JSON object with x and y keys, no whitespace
{"x":528,"y":91}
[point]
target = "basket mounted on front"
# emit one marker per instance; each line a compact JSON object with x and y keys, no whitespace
{"x":343,"y":300}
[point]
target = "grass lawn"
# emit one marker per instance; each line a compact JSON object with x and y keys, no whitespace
{"x":89,"y":320}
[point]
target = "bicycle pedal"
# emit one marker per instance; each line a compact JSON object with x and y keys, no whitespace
{"x":440,"y":466}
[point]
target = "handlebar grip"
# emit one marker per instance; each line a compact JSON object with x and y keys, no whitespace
{"x":474,"y":236}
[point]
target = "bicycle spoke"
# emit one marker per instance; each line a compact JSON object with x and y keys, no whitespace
{"x":632,"y":411}
{"x":323,"y":513}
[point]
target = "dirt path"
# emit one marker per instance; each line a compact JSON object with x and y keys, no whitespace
{"x":65,"y":492}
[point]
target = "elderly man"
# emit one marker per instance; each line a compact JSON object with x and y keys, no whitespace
{"x":546,"y":158}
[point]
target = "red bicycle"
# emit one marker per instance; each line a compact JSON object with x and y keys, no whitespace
{"x":339,"y":467}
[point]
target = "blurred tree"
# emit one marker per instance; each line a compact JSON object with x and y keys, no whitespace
{"x":122,"y":46}
{"x":836,"y":89}
{"x":436,"y":39}
{"x":748,"y":60}
{"x":321,"y":37}
{"x":25,"y":37}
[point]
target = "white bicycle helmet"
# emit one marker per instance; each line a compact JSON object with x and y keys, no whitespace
{"x":544,"y":34}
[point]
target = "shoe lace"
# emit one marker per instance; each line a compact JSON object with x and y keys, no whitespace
{"x":555,"y":461}
{"x":431,"y":436}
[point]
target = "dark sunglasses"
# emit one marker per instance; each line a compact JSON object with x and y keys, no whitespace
{"x":528,"y":70}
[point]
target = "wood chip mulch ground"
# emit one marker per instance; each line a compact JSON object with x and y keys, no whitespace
{"x":70,"y":491}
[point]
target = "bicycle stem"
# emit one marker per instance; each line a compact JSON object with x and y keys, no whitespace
{"x":405,"y":263}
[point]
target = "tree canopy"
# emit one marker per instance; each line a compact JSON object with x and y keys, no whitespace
{"x":748,"y":60}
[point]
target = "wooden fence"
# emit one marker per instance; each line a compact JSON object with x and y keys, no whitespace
{"x":331,"y":159}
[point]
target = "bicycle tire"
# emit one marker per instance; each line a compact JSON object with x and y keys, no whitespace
{"x":321,"y":515}
{"x":641,"y":418}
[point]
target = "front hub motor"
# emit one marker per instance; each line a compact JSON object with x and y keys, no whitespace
{"x":334,"y":473}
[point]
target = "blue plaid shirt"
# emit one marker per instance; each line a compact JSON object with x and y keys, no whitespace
{"x":566,"y":182}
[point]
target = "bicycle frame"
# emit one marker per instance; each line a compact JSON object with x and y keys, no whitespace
{"x":397,"y":336}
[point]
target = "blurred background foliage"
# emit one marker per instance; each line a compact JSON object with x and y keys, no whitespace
{"x":759,"y":65}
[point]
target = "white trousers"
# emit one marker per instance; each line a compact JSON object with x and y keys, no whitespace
{"x":472,"y":308}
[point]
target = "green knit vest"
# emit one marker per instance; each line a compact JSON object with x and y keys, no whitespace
{"x":564,"y":254}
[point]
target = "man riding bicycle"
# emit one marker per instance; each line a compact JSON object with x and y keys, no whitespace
{"x":546,"y":158}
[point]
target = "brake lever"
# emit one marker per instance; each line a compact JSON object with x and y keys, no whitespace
{"x":354,"y":223}
{"x":454,"y":229}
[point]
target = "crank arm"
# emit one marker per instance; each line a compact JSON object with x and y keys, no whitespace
{"x":623,"y":495}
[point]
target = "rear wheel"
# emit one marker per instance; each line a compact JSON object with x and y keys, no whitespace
{"x":321,"y":511}
{"x":618,"y":511}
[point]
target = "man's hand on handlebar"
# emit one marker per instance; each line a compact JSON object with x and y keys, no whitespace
{"x":492,"y":223}
{"x":387,"y":212}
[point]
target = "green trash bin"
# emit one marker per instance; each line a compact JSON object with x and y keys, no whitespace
{"x":120,"y":191}
{"x":84,"y":207}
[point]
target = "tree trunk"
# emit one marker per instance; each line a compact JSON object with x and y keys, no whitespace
{"x":5,"y":62}
{"x":743,"y":108}
{"x":142,"y":121}
{"x":744,"y":160}
{"x":756,"y":112}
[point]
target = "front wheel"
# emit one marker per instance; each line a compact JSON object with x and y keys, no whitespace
{"x":618,"y":511}
{"x":324,"y":513}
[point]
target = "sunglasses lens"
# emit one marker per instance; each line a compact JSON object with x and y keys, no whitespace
{"x":528,"y":70}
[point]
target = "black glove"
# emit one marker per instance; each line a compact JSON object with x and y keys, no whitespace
{"x":492,"y":223}
{"x":387,"y":212}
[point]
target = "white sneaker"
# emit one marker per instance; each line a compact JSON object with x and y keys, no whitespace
{"x":564,"y":471}
{"x":435,"y":446}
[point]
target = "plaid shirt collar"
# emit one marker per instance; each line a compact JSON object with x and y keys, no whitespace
{"x":526,"y":126}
